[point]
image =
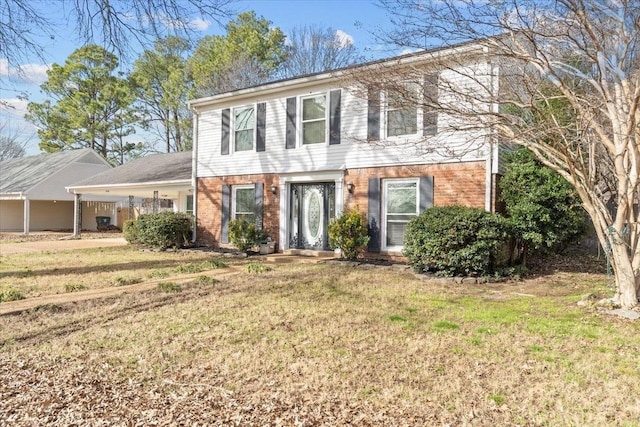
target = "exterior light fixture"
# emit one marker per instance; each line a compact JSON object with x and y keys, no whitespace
{"x":274,"y":189}
{"x":350,"y":187}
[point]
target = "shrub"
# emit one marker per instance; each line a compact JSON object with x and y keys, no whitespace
{"x":545,"y":211}
{"x":456,"y":240}
{"x":348,"y":233}
{"x":130,"y":231}
{"x":244,"y":235}
{"x":163,"y":230}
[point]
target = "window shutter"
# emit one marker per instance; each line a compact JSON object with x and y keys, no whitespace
{"x":290,"y":137}
{"x":224,"y":149}
{"x":373,"y":115}
{"x":334,"y":116}
{"x":373,"y":213}
{"x":226,"y":213}
{"x":261,"y":122}
{"x":259,"y":195}
{"x":430,"y":114}
{"x":426,"y":192}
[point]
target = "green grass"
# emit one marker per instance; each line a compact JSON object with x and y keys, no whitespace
{"x":325,"y":342}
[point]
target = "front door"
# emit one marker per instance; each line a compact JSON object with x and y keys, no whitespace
{"x":312,"y":207}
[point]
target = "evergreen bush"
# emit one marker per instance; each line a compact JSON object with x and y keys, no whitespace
{"x":456,"y":240}
{"x":130,"y":231}
{"x":245,"y":235}
{"x":349,"y":233}
{"x":162,"y":230}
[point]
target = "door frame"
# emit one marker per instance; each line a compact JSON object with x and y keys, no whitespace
{"x":335,"y":176}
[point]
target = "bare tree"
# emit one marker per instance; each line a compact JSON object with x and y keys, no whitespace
{"x":561,"y":77}
{"x":116,"y":25}
{"x":313,"y":49}
{"x":12,"y":145}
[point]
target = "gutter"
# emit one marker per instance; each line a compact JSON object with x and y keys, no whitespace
{"x":194,"y":172}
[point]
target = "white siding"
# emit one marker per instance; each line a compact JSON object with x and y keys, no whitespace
{"x":353,"y":152}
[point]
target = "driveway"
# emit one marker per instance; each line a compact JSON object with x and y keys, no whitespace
{"x":9,"y":248}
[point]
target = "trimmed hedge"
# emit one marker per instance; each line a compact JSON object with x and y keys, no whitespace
{"x":457,"y":240}
{"x":160,"y":231}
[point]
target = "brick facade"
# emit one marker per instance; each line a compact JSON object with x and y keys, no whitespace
{"x":454,"y":183}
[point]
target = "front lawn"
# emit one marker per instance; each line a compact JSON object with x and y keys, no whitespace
{"x":304,"y":344}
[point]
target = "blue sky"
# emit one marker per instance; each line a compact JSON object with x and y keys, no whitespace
{"x":355,"y":19}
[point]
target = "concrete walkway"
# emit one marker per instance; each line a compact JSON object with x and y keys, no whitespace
{"x":10,"y":248}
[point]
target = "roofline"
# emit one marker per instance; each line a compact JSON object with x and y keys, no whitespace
{"x":73,"y":188}
{"x":310,"y":79}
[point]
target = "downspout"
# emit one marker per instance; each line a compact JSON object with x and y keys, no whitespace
{"x":488,"y":197}
{"x":194,"y":173}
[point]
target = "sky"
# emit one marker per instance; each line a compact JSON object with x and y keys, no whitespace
{"x":355,"y":20}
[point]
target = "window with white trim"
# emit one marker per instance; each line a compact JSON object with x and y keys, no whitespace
{"x":243,"y":202}
{"x":244,"y":128}
{"x":401,"y":111}
{"x":314,"y":119}
{"x":400,"y":203}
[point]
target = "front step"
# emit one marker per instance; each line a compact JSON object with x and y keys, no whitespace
{"x":310,"y":253}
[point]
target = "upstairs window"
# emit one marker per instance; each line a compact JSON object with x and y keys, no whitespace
{"x":244,"y":119}
{"x":402,"y":113}
{"x":314,"y":120}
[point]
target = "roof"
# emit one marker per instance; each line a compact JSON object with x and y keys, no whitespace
{"x":24,"y":173}
{"x":301,"y":81}
{"x":155,"y":168}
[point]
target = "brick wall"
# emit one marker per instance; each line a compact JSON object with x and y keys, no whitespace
{"x":454,"y":183}
{"x":209,"y":205}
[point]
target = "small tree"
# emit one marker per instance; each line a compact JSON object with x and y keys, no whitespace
{"x":544,"y":210}
{"x":348,"y":232}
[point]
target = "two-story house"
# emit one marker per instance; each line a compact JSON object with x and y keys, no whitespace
{"x":293,"y":154}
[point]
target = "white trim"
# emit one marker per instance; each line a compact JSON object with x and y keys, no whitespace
{"x":234,"y":188}
{"x":233,"y":130}
{"x":284,"y":184}
{"x":300,"y":122}
{"x":383,"y":213}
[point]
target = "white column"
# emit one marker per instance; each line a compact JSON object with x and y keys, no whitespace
{"x":26,"y":219}
{"x":77,"y":215}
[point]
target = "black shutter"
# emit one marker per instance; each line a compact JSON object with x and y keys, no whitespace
{"x":334,"y":116}
{"x":226,"y":213}
{"x":426,"y":192}
{"x":373,"y":213}
{"x":224,"y":149}
{"x":259,"y":196}
{"x":261,"y":122}
{"x":373,"y":115}
{"x":429,"y":112}
{"x":290,"y":137}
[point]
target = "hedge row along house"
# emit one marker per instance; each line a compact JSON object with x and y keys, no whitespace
{"x":292,"y":154}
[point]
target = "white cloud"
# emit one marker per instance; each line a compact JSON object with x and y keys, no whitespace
{"x":13,"y":107}
{"x":200,"y":24}
{"x":26,"y":73}
{"x":407,"y":50}
{"x":343,"y":38}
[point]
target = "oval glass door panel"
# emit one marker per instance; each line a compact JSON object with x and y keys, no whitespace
{"x":313,"y":217}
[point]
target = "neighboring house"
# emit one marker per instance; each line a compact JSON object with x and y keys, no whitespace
{"x":292,"y":154}
{"x":161,"y":181}
{"x":33,"y":195}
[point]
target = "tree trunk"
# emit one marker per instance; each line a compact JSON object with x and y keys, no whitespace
{"x":626,"y":280}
